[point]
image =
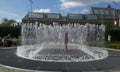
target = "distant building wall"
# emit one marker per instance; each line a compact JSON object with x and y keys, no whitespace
{"x":97,"y":15}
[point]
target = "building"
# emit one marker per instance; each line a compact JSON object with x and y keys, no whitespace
{"x":98,"y":15}
{"x":108,"y":15}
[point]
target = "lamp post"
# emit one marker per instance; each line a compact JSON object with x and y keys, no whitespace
{"x":30,"y":9}
{"x":31,"y":4}
{"x":115,"y":22}
{"x":119,"y":20}
{"x":102,"y":14}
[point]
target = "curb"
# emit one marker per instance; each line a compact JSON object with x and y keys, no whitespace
{"x":5,"y":48}
{"x":112,"y":49}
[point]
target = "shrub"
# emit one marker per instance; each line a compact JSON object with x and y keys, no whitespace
{"x":114,"y":45}
{"x":14,"y":31}
{"x":16,"y":41}
{"x":115,"y":34}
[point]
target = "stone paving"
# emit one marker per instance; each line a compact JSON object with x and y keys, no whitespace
{"x":9,"y":58}
{"x":3,"y":69}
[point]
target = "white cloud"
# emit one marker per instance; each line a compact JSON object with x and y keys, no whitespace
{"x":84,"y":11}
{"x":19,"y":20}
{"x":9,"y":15}
{"x":71,"y":4}
{"x":42,"y":10}
{"x":79,"y":3}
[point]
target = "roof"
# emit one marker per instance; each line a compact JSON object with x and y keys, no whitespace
{"x":105,"y":11}
{"x":72,"y":16}
{"x":91,"y":17}
{"x":75,"y":16}
{"x":108,"y":6}
{"x":53,"y":15}
{"x":34,"y":15}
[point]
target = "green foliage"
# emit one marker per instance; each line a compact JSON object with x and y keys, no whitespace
{"x":7,"y":22}
{"x":6,"y":27}
{"x":114,"y":45}
{"x":108,"y":26}
{"x":47,"y":21}
{"x":14,"y":31}
{"x":115,"y":34}
{"x":16,"y":41}
{"x":95,"y":44}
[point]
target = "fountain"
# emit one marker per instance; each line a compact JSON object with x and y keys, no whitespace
{"x":66,"y":43}
{"x":64,"y":48}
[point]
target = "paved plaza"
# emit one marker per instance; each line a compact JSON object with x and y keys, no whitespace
{"x":9,"y":58}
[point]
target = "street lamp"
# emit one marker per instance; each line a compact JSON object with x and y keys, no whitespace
{"x":102,"y":14}
{"x":31,"y":4}
{"x":119,"y":20}
{"x":30,"y":8}
{"x":115,"y":22}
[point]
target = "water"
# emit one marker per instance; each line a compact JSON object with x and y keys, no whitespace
{"x":47,"y":42}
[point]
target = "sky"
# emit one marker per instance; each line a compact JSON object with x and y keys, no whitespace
{"x":17,"y":9}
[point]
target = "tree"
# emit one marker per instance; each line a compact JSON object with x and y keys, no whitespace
{"x":4,"y":21}
{"x":47,"y":22}
{"x":7,"y":22}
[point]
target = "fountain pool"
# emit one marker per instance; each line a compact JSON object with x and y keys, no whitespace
{"x":47,"y":42}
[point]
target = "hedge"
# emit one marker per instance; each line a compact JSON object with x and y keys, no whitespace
{"x":115,"y":34}
{"x":114,"y":45}
{"x":14,"y":31}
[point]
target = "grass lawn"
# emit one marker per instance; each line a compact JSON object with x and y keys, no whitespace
{"x":114,"y":45}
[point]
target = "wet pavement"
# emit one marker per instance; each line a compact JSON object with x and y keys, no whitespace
{"x":10,"y":59}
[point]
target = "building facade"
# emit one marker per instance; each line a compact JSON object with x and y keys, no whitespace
{"x":98,"y":15}
{"x":108,"y":15}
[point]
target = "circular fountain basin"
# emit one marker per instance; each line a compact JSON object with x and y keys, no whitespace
{"x":9,"y":59}
{"x":56,"y":53}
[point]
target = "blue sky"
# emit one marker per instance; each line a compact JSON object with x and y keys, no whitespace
{"x":17,"y":9}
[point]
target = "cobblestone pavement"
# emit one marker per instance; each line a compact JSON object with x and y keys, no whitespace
{"x":9,"y":58}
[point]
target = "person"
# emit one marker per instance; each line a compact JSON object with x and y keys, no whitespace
{"x":7,"y":41}
{"x":1,"y":41}
{"x":66,"y":41}
{"x":109,"y":38}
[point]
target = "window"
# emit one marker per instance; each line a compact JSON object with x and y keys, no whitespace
{"x":75,"y":16}
{"x":113,"y":12}
{"x":54,"y":16}
{"x":106,"y":12}
{"x":96,"y":11}
{"x":92,"y":17}
{"x":35,"y":15}
{"x":101,"y":11}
